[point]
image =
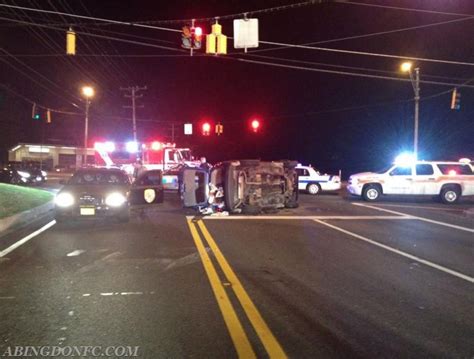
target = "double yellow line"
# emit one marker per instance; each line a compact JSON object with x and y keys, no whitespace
{"x":234,"y":326}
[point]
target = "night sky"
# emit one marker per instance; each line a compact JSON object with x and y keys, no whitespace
{"x":332,"y":121}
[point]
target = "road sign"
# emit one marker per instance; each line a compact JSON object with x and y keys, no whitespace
{"x":245,"y":33}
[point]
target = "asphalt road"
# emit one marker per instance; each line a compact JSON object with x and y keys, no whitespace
{"x":334,"y":278}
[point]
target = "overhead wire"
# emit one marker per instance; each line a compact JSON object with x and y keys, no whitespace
{"x":91,"y":46}
{"x":45,"y":38}
{"x":351,"y":52}
{"x":362,"y":36}
{"x":426,"y":11}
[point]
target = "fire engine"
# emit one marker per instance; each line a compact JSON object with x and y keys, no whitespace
{"x":153,"y":155}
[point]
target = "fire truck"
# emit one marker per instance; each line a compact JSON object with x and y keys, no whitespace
{"x":153,"y":155}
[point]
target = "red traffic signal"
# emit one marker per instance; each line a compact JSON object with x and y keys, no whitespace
{"x":198,"y":33}
{"x":255,"y":125}
{"x":206,"y":128}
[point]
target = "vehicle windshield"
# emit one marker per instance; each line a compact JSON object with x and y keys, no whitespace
{"x":99,"y":178}
{"x":383,"y":169}
{"x":186,"y":155}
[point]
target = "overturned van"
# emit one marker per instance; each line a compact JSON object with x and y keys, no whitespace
{"x":245,"y":186}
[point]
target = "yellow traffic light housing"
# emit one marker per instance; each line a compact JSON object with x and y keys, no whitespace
{"x":70,"y":42}
{"x":216,"y":42}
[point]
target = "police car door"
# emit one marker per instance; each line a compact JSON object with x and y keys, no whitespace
{"x":147,"y":188}
{"x":195,"y":187}
{"x":303,"y":178}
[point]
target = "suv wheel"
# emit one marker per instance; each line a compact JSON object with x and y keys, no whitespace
{"x":450,"y":195}
{"x":371,"y":193}
{"x":313,"y":188}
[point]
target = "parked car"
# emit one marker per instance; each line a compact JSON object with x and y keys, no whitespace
{"x":446,"y":180}
{"x":106,"y":192}
{"x":243,"y":186}
{"x":313,"y":182}
{"x":12,"y":176}
{"x":36,"y":175}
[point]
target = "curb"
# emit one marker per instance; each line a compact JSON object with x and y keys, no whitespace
{"x":22,"y":218}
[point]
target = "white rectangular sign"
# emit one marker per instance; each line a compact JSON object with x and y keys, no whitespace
{"x":245,"y":33}
{"x":188,"y":128}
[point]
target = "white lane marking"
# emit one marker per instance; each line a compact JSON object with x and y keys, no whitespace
{"x":131,"y":293}
{"x":307,"y":217}
{"x":416,"y":217}
{"x":399,"y":252}
{"x":423,"y":207}
{"x":86,"y":295}
{"x":106,"y":294}
{"x":1,"y":298}
{"x":75,"y":253}
{"x":26,"y":239}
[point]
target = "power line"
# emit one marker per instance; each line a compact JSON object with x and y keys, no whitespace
{"x":98,"y":36}
{"x":39,"y":105}
{"x":180,"y":21}
{"x":343,"y":72}
{"x":402,"y":8}
{"x":345,"y":67}
{"x":90,"y":18}
{"x":379,"y":33}
{"x":352,"y":52}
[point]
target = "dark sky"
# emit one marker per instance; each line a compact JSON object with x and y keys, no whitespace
{"x":304,"y":113}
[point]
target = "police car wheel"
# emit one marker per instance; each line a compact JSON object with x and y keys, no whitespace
{"x":313,"y":188}
{"x":450,"y":195}
{"x":371,"y":193}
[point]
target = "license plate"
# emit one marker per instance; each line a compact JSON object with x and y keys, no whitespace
{"x":87,"y":211}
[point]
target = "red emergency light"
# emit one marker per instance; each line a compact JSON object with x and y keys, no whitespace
{"x":255,"y":124}
{"x":156,"y":146}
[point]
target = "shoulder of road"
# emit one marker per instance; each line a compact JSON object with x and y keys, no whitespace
{"x":19,"y":205}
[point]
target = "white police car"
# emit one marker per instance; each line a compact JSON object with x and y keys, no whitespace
{"x":448,"y":180}
{"x":313,"y":182}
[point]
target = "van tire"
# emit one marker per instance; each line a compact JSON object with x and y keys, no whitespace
{"x":372,"y":192}
{"x":450,"y":194}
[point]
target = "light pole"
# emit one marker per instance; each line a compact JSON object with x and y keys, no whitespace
{"x":415,"y":81}
{"x":88,"y":93}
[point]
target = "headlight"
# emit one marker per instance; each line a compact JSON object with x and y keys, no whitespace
{"x":115,"y":199}
{"x":43,"y":173}
{"x":64,"y":200}
{"x":24,"y":174}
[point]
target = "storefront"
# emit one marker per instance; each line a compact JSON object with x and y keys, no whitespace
{"x":50,"y":156}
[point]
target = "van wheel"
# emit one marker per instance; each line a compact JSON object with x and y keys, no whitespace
{"x":371,"y":193}
{"x":450,"y":195}
{"x":313,"y":188}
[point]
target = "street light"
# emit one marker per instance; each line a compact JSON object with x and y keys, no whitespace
{"x":88,"y":93}
{"x":415,"y":81}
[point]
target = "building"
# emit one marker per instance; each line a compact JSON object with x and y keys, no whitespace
{"x":50,"y":156}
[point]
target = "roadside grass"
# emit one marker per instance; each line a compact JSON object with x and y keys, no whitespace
{"x":15,"y":199}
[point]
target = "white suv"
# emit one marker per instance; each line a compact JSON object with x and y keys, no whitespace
{"x":313,"y":182}
{"x":448,"y":180}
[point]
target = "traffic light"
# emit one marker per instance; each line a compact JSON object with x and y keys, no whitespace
{"x":70,"y":42}
{"x":35,"y":115}
{"x":186,"y":37}
{"x":216,"y":42}
{"x":197,"y":38}
{"x":255,"y":125}
{"x":206,"y":129}
{"x":456,"y":100}
{"x":219,"y":129}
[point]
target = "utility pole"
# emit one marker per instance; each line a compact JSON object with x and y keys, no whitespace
{"x":86,"y":132}
{"x":133,"y":95}
{"x":417,"y":111}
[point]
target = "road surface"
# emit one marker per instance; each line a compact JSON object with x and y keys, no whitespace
{"x":335,"y":278}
